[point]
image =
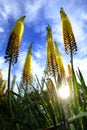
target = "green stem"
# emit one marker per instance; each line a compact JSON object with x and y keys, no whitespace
{"x":71,"y":58}
{"x":9,"y":95}
{"x":9,"y":71}
{"x":73,"y":76}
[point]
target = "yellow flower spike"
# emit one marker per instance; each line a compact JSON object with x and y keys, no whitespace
{"x":0,"y":76}
{"x":50,"y":86}
{"x":69,"y":71}
{"x":69,"y":79}
{"x":51,"y":58}
{"x":14,"y":41}
{"x":3,"y":88}
{"x":68,"y":36}
{"x":27,"y":76}
{"x":60,"y":65}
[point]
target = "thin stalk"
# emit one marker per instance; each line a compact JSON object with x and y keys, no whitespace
{"x":38,"y":82}
{"x":9,"y":73}
{"x":73,"y":76}
{"x":25,"y":89}
{"x":71,"y":56}
{"x":71,"y":61}
{"x":9,"y":94}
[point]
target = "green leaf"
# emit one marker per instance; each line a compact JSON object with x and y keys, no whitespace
{"x":72,"y":127}
{"x":75,"y":84}
{"x":80,"y":115}
{"x":83,"y":85}
{"x":81,"y":78}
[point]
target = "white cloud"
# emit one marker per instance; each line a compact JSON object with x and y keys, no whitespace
{"x":4,"y":68}
{"x":10,"y":9}
{"x":19,"y":66}
{"x":37,"y":69}
{"x":16,"y":9}
{"x":37,"y":54}
{"x":32,"y":10}
{"x":21,"y":58}
{"x":82,"y":64}
{"x":1,"y":29}
{"x":84,"y":15}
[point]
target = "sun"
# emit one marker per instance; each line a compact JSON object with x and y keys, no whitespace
{"x":64,"y":92}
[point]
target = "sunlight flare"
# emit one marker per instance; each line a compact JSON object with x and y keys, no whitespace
{"x":64,"y":92}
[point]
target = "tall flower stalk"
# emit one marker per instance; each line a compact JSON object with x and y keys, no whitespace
{"x":70,"y":45}
{"x":51,"y":58}
{"x":12,"y":50}
{"x":68,"y":36}
{"x":61,"y":70}
{"x":27,"y":77}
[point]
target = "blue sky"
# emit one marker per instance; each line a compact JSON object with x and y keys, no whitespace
{"x":40,"y":13}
